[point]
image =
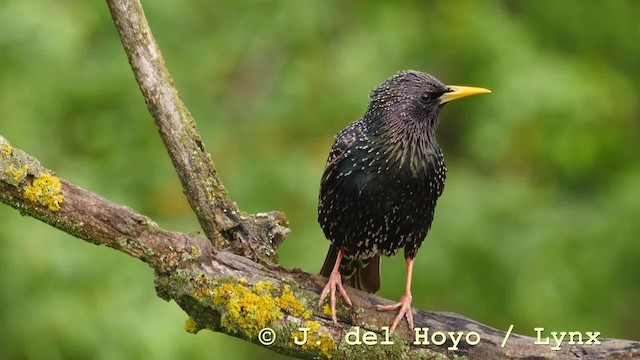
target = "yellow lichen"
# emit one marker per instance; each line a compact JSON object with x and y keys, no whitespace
{"x":16,"y":173}
{"x":191,"y":326}
{"x":45,"y":190}
{"x":202,"y":278}
{"x":201,"y":289}
{"x":327,"y":310}
{"x":202,"y":293}
{"x":246,"y":310}
{"x":6,"y":148}
{"x":263,"y":286}
{"x":320,"y":342}
{"x":290,"y":304}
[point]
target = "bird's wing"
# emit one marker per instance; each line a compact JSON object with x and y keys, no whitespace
{"x":344,"y":141}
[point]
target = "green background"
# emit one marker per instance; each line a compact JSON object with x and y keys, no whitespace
{"x":538,"y":224}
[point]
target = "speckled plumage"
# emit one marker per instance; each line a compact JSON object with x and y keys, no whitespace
{"x":379,"y":189}
{"x":384,"y":175}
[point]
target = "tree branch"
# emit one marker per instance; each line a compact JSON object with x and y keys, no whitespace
{"x":241,"y":295}
{"x":88,"y":216}
{"x":223,"y":222}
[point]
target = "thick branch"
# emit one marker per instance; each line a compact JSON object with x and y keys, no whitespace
{"x":221,"y":219}
{"x":88,"y":216}
{"x":209,"y":284}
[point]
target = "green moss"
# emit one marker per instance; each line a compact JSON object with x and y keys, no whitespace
{"x":424,"y":354}
{"x":45,"y":190}
{"x":397,"y":350}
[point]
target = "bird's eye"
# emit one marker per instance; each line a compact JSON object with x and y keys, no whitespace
{"x":426,"y":96}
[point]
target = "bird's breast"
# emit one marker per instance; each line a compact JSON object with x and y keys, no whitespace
{"x":371,"y":172}
{"x":374,"y":202}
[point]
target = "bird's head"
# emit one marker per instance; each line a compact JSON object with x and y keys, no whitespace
{"x":414,"y":98}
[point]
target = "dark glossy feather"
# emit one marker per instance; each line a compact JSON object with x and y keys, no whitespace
{"x":383,"y":177}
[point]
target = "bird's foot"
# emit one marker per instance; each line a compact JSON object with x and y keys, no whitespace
{"x":405,"y":310}
{"x":335,"y":282}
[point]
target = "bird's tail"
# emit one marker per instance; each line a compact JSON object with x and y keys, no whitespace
{"x":360,"y":274}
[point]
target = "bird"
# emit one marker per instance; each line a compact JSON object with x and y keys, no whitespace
{"x":382,"y":179}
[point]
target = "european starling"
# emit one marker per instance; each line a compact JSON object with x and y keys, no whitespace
{"x":382,"y":179}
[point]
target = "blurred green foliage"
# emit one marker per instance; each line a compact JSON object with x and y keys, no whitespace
{"x":538,"y":225}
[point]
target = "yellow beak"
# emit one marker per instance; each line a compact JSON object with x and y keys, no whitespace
{"x":460,"y":92}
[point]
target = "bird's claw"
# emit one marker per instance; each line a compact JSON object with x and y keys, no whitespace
{"x":405,"y":310}
{"x":333,"y":283}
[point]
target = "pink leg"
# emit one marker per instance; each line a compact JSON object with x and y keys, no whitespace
{"x":404,"y":304}
{"x":335,"y":281}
